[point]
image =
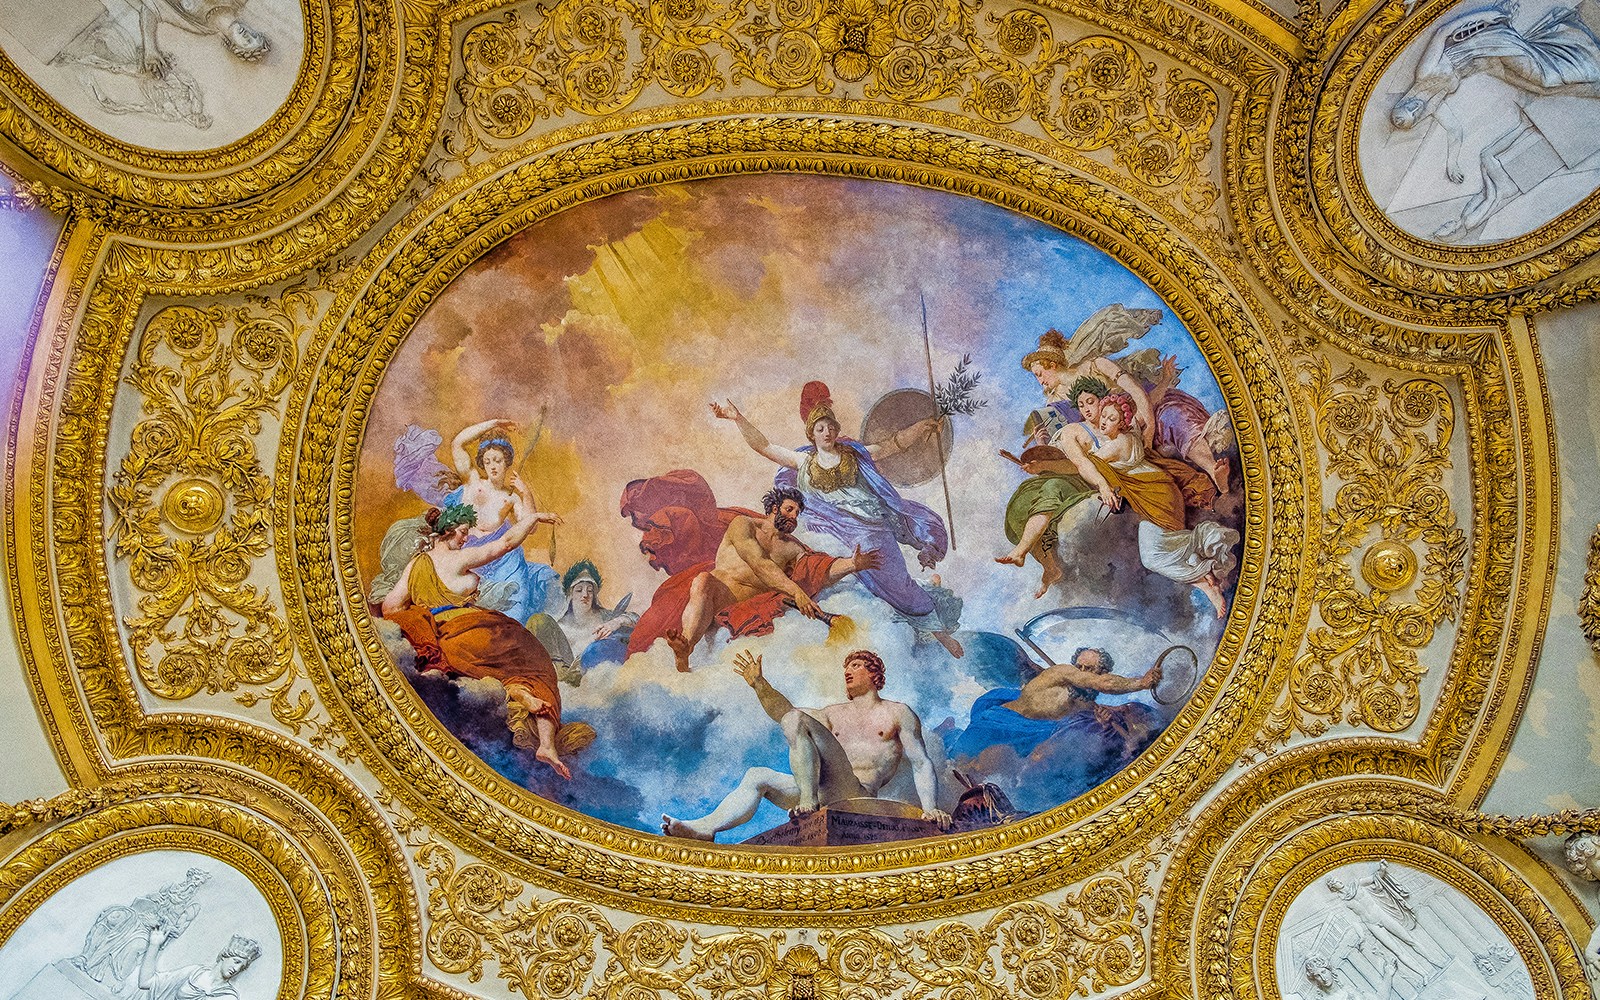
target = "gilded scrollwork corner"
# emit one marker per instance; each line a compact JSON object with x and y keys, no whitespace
{"x":191,"y":502}
{"x":1391,"y":522}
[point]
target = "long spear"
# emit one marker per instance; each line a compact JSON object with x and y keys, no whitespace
{"x":527,"y":458}
{"x":938,"y":428}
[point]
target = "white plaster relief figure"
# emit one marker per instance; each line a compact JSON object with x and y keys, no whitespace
{"x":1583,"y":860}
{"x":115,"y":944}
{"x":1376,"y":931}
{"x":1518,"y":92}
{"x":1383,"y":918}
{"x":120,"y":61}
{"x":155,"y":947}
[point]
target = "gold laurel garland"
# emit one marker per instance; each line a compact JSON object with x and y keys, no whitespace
{"x":191,"y":504}
{"x":1089,"y":942}
{"x":1090,"y":94}
{"x":1389,"y":450}
{"x":629,"y":859}
{"x":1589,"y":601}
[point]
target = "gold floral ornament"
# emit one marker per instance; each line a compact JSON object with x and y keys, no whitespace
{"x":593,"y":59}
{"x":854,"y":35}
{"x":1091,"y":941}
{"x":191,"y":502}
{"x":1388,"y":448}
{"x":803,"y":976}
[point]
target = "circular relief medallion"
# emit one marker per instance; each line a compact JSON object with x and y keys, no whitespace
{"x":167,"y":925}
{"x":167,"y":75}
{"x":800,"y":511}
{"x":1487,"y":124}
{"x":1379,"y":929}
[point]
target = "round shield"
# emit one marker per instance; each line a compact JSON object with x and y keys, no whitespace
{"x":896,"y":411}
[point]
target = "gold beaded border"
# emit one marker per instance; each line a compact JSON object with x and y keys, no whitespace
{"x":448,"y":786}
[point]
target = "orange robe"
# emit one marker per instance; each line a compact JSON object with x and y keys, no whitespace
{"x":452,"y":636}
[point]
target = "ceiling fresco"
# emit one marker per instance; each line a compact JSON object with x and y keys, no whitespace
{"x":630,"y":459}
{"x":800,"y":498}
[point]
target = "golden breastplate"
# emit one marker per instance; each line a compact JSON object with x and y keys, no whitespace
{"x":846,"y":473}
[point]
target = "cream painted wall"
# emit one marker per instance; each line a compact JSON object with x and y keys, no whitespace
{"x":27,"y":240}
{"x":1555,"y":756}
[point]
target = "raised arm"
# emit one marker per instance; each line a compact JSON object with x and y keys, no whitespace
{"x":480,"y":555}
{"x":754,"y":438}
{"x":1065,"y":673}
{"x":774,"y":702}
{"x":905,"y":437}
{"x":458,"y":447}
{"x":154,"y":942}
{"x":858,"y":562}
{"x":921,"y":766}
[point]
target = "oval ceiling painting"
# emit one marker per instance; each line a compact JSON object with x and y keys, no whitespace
{"x":168,"y":75}
{"x":800,"y":511}
{"x":1487,"y":126}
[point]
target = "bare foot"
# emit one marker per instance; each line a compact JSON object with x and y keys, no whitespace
{"x":548,"y":755}
{"x":1052,"y":573}
{"x":1209,"y":586}
{"x":950,"y":644}
{"x":678,"y":828}
{"x":680,"y":649}
{"x":1013,"y":558}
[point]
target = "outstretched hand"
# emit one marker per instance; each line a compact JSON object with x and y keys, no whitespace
{"x":727,"y":411}
{"x":863,"y":561}
{"x":748,"y":665}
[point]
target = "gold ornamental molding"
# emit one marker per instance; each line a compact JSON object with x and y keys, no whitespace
{"x":1379,"y":247}
{"x":456,"y":794}
{"x":1589,"y":602}
{"x":1238,"y":876}
{"x":1003,"y":63}
{"x":1388,"y":445}
{"x":313,"y":888}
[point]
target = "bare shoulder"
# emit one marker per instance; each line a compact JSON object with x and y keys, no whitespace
{"x":903,"y":713}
